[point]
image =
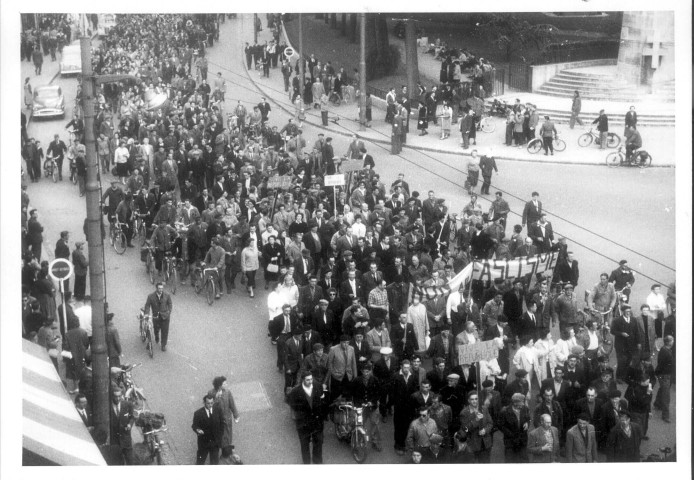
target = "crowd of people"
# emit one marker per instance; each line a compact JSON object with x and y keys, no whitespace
{"x":346,"y":278}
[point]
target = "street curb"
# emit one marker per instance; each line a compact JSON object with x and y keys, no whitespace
{"x":423,"y":149}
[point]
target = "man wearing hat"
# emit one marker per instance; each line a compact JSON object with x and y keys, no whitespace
{"x":79,"y":260}
{"x":342,"y":366}
{"x":566,"y":308}
{"x":624,"y":440}
{"x":112,"y":342}
{"x":322,"y":320}
{"x":514,"y":423}
{"x":385,"y":370}
{"x":622,"y":278}
{"x":625,"y":331}
{"x":604,"y":383}
{"x":518,"y":386}
{"x":608,"y":417}
{"x":317,"y":364}
{"x":293,"y":357}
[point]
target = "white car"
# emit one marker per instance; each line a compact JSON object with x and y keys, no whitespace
{"x":48,"y":102}
{"x":71,"y":60}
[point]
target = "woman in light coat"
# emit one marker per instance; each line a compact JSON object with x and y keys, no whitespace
{"x":417,"y":316}
{"x":250,"y":264}
{"x":563,"y":347}
{"x":546,"y":356}
{"x":526,"y":358}
{"x":446,"y":118}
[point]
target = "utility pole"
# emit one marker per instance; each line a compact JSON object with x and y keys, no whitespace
{"x":362,"y":72}
{"x":255,"y":28}
{"x":411,"y":60}
{"x":301,"y":62}
{"x":97,"y":283}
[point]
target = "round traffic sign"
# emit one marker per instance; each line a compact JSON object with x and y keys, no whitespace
{"x":289,"y":52}
{"x":60,"y":269}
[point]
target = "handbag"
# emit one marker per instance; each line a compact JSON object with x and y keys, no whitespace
{"x":272,"y":268}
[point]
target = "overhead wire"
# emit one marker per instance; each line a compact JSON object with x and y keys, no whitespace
{"x":287,"y":106}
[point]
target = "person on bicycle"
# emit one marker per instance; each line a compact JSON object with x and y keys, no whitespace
{"x":215,"y":259}
{"x":367,"y":389}
{"x":114,"y":195}
{"x":57,"y":149}
{"x":602,"y":297}
{"x":125,"y":216}
{"x":603,"y":128}
{"x":633,"y":143}
{"x":547,"y":132}
{"x":622,"y":278}
{"x":159,"y":303}
{"x":162,"y":242}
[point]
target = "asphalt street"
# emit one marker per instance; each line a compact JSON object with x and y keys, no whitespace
{"x":633,"y":209}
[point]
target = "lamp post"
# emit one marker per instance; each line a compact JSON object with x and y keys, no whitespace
{"x":362,"y":71}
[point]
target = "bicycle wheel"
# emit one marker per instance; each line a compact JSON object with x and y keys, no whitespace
{"x":143,"y":330}
{"x":535,"y":145}
{"x":73,"y":176}
{"x":54,"y":173}
{"x":607,"y":343}
{"x":210,"y":290}
{"x":174,"y":278}
{"x":487,"y":125}
{"x":150,"y":268}
{"x":559,"y":145}
{"x":613,"y":140}
{"x":142,"y":234}
{"x":359,"y":450}
{"x":150,"y":341}
{"x":647,"y":162}
{"x":157,"y":456}
{"x":119,"y":243}
{"x":111,"y":234}
{"x":613,"y":159}
{"x":198,"y":281}
{"x":585,"y":140}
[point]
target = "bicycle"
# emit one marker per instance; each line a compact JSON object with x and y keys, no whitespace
{"x":606,"y":344}
{"x":140,"y":229}
{"x":203,"y":279}
{"x":147,"y":331}
{"x":149,"y":263}
{"x":334,"y":98}
{"x":170,"y":268}
{"x":535,"y":145}
{"x":117,"y":237}
{"x":133,"y":393}
{"x":619,"y":158}
{"x":151,"y":425}
{"x":485,"y":124}
{"x":613,"y":140}
{"x":50,"y":168}
{"x":349,"y":425}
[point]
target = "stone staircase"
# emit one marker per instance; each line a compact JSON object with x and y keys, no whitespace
{"x":601,"y":83}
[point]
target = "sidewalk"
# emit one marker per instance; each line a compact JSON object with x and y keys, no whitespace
{"x":658,"y":141}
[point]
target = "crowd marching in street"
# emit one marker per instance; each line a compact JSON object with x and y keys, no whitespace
{"x":354,"y":277}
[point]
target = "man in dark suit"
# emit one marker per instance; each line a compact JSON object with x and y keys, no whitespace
{"x":589,"y":405}
{"x":303,"y":267}
{"x":560,"y":387}
{"x":309,"y":339}
{"x":122,"y":419}
{"x":513,"y":304}
{"x":293,"y":358}
{"x":280,"y":329}
{"x":403,"y":339}
{"x":351,"y":286}
{"x":322,"y":321}
{"x":208,"y":426}
{"x":514,"y":423}
{"x":608,"y":417}
{"x":481,"y":244}
{"x":443,"y":345}
{"x":306,"y":401}
{"x":625,"y":331}
{"x":160,"y":305}
{"x":542,"y":234}
{"x":528,"y":324}
{"x":309,"y":296}
{"x":385,"y":370}
{"x":391,"y":272}
{"x":82,"y":407}
{"x":519,"y":385}
{"x":532,"y":210}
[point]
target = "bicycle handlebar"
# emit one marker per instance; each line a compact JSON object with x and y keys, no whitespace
{"x":151,"y":432}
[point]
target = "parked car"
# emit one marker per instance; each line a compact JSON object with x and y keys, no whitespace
{"x":71,"y":60}
{"x":48,"y":102}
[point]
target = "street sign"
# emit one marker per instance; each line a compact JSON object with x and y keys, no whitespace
{"x":351,"y":165}
{"x":289,"y":52}
{"x":60,"y":269}
{"x":469,"y":354}
{"x":334,"y":180}
{"x":283,"y":182}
